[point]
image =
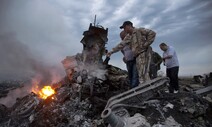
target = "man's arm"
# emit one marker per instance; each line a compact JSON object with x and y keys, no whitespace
{"x":150,"y":36}
{"x":167,"y":57}
{"x":170,"y":53}
{"x":121,"y":45}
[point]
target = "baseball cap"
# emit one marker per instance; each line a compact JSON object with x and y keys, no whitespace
{"x":126,"y":23}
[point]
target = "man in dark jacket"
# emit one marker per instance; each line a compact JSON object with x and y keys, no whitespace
{"x":156,"y":60}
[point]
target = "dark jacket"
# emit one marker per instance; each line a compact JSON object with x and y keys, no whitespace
{"x":156,"y":59}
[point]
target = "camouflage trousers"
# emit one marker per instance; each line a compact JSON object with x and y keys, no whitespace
{"x":143,"y":65}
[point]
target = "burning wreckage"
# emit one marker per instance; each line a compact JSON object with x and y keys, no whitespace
{"x":95,"y":94}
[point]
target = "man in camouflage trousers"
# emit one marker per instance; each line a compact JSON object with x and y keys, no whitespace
{"x":139,"y":40}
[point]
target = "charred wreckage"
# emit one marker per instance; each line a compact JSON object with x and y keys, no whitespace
{"x":96,"y":94}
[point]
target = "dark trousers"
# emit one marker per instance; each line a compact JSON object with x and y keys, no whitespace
{"x":153,"y":71}
{"x":172,"y":73}
{"x":132,"y":73}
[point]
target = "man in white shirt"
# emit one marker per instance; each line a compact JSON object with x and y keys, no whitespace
{"x":172,"y":66}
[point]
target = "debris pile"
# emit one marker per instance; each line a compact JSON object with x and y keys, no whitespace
{"x":73,"y":104}
{"x":7,"y":86}
{"x":204,"y":79}
{"x":95,"y":94}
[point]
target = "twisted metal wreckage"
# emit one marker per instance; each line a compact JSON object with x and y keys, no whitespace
{"x":82,"y":95}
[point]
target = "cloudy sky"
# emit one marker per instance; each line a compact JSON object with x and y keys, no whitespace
{"x":37,"y":34}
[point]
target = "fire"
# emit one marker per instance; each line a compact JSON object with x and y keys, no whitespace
{"x":46,"y":91}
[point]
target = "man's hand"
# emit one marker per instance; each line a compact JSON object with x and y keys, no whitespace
{"x":167,"y":57}
{"x":164,"y":63}
{"x":109,"y":54}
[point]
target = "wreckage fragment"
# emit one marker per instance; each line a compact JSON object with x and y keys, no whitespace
{"x":94,"y":41}
{"x":110,"y":117}
{"x":204,"y":91}
{"x":115,"y":120}
{"x":134,"y":96}
{"x":140,"y":93}
{"x":25,"y":106}
{"x":204,"y":79}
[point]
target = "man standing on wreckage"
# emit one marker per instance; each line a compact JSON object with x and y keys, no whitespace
{"x":139,"y":40}
{"x":172,"y":66}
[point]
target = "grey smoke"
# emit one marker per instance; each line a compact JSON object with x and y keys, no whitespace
{"x":33,"y":42}
{"x":17,"y":62}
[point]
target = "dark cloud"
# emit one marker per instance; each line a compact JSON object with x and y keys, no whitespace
{"x":186,"y":26}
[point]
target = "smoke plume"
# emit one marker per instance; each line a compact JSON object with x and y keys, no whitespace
{"x":32,"y":41}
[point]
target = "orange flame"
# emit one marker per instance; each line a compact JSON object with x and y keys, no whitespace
{"x":45,"y":92}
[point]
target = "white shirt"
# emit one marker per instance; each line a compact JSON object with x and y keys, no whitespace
{"x":173,"y":61}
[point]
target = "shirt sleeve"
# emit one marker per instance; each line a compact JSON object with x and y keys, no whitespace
{"x":150,"y":36}
{"x":170,"y":52}
{"x":122,"y":44}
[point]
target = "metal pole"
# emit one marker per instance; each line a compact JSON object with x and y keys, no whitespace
{"x":94,"y":21}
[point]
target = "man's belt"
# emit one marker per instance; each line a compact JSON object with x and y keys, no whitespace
{"x":142,"y":51}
